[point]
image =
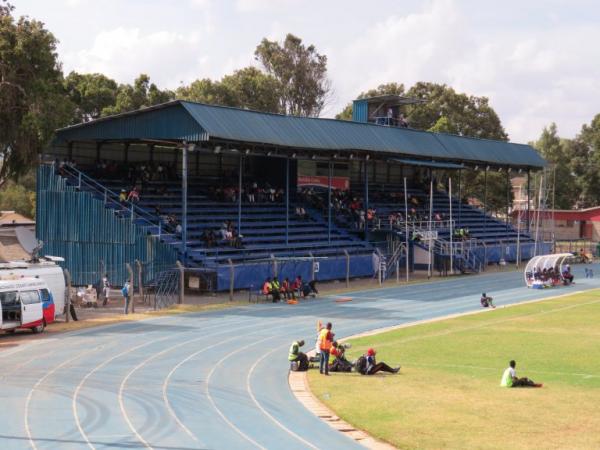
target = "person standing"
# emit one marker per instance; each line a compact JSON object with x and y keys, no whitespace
{"x":126,"y":296}
{"x":105,"y":289}
{"x":325,"y":341}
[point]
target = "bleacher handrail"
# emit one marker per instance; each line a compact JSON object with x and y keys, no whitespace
{"x":99,"y":188}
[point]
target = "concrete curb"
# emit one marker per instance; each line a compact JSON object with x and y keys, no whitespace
{"x":299,"y":385}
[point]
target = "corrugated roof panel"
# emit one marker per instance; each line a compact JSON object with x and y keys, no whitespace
{"x":190,"y":121}
{"x":168,"y":122}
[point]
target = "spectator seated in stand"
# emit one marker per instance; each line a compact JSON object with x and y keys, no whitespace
{"x":300,"y":212}
{"x":123,"y":197}
{"x":134,"y":195}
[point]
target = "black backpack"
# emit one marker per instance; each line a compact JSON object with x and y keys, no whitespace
{"x":361,"y":365}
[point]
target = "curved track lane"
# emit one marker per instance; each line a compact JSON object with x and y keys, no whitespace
{"x":214,"y":380}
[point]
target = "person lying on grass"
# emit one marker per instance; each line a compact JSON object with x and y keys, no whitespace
{"x":510,"y":379}
{"x":486,"y":301}
{"x":368,"y":365}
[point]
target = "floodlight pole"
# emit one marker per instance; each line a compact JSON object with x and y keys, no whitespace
{"x":459,"y":195}
{"x":430,"y":219}
{"x":507,"y":196}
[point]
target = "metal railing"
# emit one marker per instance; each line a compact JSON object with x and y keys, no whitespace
{"x":112,"y":198}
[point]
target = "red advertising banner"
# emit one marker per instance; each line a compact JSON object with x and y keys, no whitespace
{"x":341,"y":183}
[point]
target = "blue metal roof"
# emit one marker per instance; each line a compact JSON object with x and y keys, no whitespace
{"x":182,"y":120}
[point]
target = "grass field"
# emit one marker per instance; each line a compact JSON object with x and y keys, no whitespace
{"x":447,"y":394}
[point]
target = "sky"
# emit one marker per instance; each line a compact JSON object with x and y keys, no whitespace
{"x":538,"y":61}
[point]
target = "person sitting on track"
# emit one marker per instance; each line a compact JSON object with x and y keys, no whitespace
{"x":340,"y":363}
{"x":510,"y":379}
{"x":372,"y":366}
{"x":486,"y":301}
{"x":295,"y":355}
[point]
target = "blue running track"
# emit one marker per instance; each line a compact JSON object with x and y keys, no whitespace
{"x":212,"y":380}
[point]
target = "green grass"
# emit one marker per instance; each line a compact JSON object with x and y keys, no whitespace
{"x":447,"y":394}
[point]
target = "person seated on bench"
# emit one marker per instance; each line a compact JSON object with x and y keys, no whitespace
{"x":372,"y":366}
{"x":275,"y":290}
{"x":295,"y":355}
{"x":310,"y":288}
{"x":486,"y":301}
{"x":266,"y":288}
{"x":510,"y":379}
{"x":567,"y":275}
{"x":297,"y":285}
{"x":287,"y":289}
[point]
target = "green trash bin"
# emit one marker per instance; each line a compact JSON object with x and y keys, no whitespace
{"x":597,"y":250}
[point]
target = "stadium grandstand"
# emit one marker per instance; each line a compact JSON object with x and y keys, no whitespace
{"x":232,"y":193}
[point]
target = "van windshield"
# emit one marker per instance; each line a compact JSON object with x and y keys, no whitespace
{"x":8,"y":298}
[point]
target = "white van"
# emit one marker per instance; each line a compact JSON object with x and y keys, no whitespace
{"x":25,"y":303}
{"x":46,"y":270}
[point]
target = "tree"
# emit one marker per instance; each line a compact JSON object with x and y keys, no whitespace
{"x":557,"y":152}
{"x":246,"y":88}
{"x":19,"y":197}
{"x":141,"y":95}
{"x":584,"y":152}
{"x":90,"y":93}
{"x":301,"y":73}
{"x":32,"y":99}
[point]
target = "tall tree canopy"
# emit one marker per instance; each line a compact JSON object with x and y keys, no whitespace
{"x":32,"y":99}
{"x":301,"y":72}
{"x":141,"y":94}
{"x":91,"y":93}
{"x":584,"y":152}
{"x":558,"y":152}
{"x":246,"y":88}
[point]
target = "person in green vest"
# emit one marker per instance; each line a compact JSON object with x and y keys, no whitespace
{"x":295,"y":355}
{"x":510,"y":379}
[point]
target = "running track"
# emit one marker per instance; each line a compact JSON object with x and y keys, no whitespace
{"x":214,"y":380}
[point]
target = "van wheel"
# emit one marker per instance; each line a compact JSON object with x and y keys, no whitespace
{"x":39,"y":328}
{"x":11,"y":331}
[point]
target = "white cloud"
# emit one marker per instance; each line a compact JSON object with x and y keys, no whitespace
{"x":124,"y":53}
{"x":532,"y":77}
{"x":264,"y":5}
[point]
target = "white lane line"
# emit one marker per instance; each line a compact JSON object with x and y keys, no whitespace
{"x":167,"y":380}
{"x":264,"y":411}
{"x":212,"y":402}
{"x":104,"y":363}
{"x":89,"y":374}
{"x":39,"y":382}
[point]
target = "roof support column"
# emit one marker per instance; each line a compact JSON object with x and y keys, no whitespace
{"x":240,"y":179}
{"x":485,"y":200}
{"x":329,"y":202}
{"x":459,"y":196}
{"x":184,"y":198}
{"x":126,"y":152}
{"x":98,"y":147}
{"x":366,"y":200}
{"x":287,"y":199}
{"x":507,"y":195}
{"x":528,"y":198}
